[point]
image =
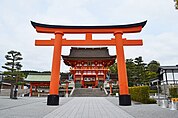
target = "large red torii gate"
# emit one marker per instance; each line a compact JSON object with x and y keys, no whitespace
{"x":118,"y":41}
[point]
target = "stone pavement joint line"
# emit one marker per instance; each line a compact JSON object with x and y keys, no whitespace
{"x":88,"y":107}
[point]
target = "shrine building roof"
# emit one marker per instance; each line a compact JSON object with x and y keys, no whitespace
{"x":88,"y":53}
{"x":43,"y":77}
{"x":38,"y":77}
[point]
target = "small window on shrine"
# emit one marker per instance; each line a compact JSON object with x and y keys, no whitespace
{"x":89,"y":63}
{"x":85,"y":64}
{"x":93,"y":79}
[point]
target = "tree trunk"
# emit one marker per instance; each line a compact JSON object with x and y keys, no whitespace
{"x":11,"y":91}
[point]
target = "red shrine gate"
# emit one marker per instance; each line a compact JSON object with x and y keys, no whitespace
{"x":118,"y":41}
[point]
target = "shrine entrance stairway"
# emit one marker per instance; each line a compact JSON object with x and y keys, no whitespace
{"x":88,"y":92}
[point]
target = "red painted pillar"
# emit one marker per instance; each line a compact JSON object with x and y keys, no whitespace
{"x":96,"y":80}
{"x":110,"y":85}
{"x":82,"y":80}
{"x":53,"y":98}
{"x":31,"y":89}
{"x":124,"y":97}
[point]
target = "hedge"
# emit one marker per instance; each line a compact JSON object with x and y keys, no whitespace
{"x":173,"y":92}
{"x":153,"y":91}
{"x":141,"y":94}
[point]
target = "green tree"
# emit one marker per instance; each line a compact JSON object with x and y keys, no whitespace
{"x":176,"y":4}
{"x":131,"y":70}
{"x":150,"y":75}
{"x":153,"y":66}
{"x":13,"y":67}
{"x":152,"y":69}
{"x":113,"y":68}
{"x":140,"y":70}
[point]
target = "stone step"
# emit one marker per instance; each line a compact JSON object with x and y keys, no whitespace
{"x":88,"y":92}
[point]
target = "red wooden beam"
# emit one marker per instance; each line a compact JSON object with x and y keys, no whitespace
{"x":137,"y":42}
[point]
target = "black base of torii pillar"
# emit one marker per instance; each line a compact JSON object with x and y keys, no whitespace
{"x":124,"y":100}
{"x":53,"y":100}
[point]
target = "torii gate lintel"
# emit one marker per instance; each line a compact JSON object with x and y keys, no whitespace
{"x":118,"y":41}
{"x":93,"y":42}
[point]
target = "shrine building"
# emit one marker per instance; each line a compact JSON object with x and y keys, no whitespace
{"x":89,"y":66}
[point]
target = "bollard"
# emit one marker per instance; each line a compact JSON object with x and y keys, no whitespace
{"x":159,"y":102}
{"x":176,"y":104}
{"x":172,"y":105}
{"x":164,"y":104}
{"x":155,"y":94}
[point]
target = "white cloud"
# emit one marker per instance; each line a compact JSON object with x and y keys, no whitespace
{"x":159,"y":34}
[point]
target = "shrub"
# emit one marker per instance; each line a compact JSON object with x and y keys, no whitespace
{"x":173,"y":92}
{"x":140,"y":94}
{"x":151,"y":101}
{"x":153,"y":91}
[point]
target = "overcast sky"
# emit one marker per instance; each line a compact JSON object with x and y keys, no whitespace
{"x":160,"y":35}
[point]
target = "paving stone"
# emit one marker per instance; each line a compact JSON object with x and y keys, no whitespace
{"x":79,"y":107}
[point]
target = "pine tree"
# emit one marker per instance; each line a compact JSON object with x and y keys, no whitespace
{"x":13,"y":67}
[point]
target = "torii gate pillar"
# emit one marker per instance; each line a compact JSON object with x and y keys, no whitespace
{"x":118,"y":41}
{"x":124,"y":97}
{"x":53,"y":98}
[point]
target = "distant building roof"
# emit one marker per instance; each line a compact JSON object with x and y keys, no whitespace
{"x":169,"y":69}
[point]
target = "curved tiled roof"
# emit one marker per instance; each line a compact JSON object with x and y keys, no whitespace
{"x":88,"y":53}
{"x":142,"y":24}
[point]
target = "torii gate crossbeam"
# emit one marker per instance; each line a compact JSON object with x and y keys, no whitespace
{"x":118,"y":41}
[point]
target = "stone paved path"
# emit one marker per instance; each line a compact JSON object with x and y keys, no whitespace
{"x":79,"y":107}
{"x":89,"y":107}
